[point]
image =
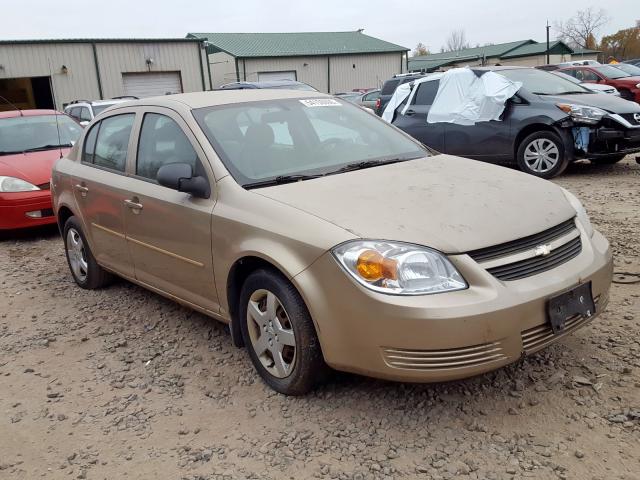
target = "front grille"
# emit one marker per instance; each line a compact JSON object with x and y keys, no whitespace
{"x":523,"y":244}
{"x":536,"y":338}
{"x":630,"y":117}
{"x":448,"y":359}
{"x":535,"y":265}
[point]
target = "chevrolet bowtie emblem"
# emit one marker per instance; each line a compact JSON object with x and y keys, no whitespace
{"x":542,"y":250}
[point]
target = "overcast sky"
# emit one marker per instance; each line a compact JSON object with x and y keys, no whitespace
{"x":429,"y":22}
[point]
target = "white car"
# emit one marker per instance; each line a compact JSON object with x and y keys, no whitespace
{"x":594,"y":87}
{"x":83,"y":111}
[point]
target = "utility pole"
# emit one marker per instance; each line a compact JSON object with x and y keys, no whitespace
{"x":548,"y":27}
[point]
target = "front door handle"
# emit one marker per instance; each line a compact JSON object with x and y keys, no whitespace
{"x":82,"y":189}
{"x":133,"y":205}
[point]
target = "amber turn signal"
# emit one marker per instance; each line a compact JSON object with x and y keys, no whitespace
{"x":372,"y":266}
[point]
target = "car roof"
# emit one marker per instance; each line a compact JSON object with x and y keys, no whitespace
{"x":28,"y":113}
{"x":222,"y":97}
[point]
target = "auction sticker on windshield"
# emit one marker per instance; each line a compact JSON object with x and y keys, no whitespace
{"x":320,"y":102}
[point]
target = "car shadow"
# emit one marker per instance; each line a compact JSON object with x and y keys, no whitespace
{"x":45,"y":232}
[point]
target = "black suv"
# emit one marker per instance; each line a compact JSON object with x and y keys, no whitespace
{"x":549,"y":123}
{"x":386,"y":92}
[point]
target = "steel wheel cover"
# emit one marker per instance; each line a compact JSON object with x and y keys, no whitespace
{"x":541,"y":155}
{"x":271,"y":333}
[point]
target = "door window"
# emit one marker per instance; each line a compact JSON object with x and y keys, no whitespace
{"x":162,"y":142}
{"x":84,"y":114}
{"x":75,"y":112}
{"x":113,"y":142}
{"x":426,"y":93}
{"x":369,"y":97}
{"x":589,"y":76}
{"x":90,"y":144}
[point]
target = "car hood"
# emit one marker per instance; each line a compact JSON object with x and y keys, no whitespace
{"x":448,"y":203}
{"x":34,"y":167}
{"x":610,"y":103}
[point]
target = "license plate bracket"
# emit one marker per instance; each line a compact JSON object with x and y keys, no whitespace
{"x":577,"y":301}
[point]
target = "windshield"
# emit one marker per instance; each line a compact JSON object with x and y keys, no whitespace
{"x":38,"y":132}
{"x":98,"y":109}
{"x":541,"y":82}
{"x":610,"y":71}
{"x":264,"y":140}
{"x":630,"y":69}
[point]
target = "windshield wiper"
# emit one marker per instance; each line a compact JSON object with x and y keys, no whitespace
{"x":280,"y":179}
{"x":368,"y":164}
{"x":47,"y":147}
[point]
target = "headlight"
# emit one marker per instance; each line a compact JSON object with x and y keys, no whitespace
{"x":398,"y":268}
{"x":11,"y":184}
{"x":583,"y":218}
{"x":582,"y":113}
{"x":637,"y":85}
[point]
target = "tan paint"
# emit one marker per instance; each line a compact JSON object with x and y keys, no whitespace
{"x":447,"y":203}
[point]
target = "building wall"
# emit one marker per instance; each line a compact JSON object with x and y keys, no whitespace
{"x":81,"y":81}
{"x":312,"y":69}
{"x":535,"y":60}
{"x":46,"y":60}
{"x":115,"y":59}
{"x":223,"y":68}
{"x":364,"y":71}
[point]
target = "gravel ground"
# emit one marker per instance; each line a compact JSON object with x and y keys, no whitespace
{"x":121,"y":383}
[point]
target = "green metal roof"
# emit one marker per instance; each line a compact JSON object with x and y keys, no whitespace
{"x":98,"y":40}
{"x":496,"y":50}
{"x":585,"y":51}
{"x":245,"y":45}
{"x":556,"y":47}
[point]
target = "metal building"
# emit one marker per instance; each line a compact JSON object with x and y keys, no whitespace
{"x":52,"y":73}
{"x":331,"y":62}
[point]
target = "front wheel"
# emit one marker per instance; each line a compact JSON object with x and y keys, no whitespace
{"x":279,"y":334}
{"x":609,"y":160}
{"x":542,"y":154}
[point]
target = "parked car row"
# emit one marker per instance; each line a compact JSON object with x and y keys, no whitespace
{"x":549,"y":123}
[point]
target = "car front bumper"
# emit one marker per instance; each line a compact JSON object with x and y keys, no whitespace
{"x":447,"y":336}
{"x":25,"y":209}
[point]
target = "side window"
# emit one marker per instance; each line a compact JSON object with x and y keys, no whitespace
{"x":573,"y":73}
{"x":162,"y":142}
{"x":369,"y":97}
{"x":75,"y":112}
{"x":113,"y":142}
{"x":90,"y":144}
{"x":426,"y":93}
{"x":85,"y":115}
{"x":589,"y":76}
{"x":389,"y":87}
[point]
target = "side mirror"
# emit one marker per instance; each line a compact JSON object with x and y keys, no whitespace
{"x":179,"y":176}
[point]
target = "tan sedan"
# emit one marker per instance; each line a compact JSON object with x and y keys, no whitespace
{"x":325,"y":237}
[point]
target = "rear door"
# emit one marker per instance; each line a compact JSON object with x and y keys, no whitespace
{"x":99,"y":185}
{"x":414,"y":120}
{"x":169,"y":232}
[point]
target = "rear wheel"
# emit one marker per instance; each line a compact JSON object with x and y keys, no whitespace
{"x":542,"y":154}
{"x":279,"y":334}
{"x":610,"y":160}
{"x":84,"y":268}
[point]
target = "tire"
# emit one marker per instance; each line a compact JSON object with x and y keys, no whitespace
{"x":278,"y":326}
{"x":83,"y":266}
{"x":553,"y":161}
{"x":610,"y":160}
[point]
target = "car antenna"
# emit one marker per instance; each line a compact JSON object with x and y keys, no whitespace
{"x":58,"y":128}
{"x":13,"y":105}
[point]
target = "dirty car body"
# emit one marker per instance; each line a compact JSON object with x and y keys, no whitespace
{"x":324,"y":236}
{"x":573,"y":121}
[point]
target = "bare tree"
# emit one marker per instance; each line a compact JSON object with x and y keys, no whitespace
{"x":421,"y":49}
{"x":581,"y":29}
{"x":456,"y":41}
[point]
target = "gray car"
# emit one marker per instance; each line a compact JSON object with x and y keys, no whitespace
{"x":549,"y":123}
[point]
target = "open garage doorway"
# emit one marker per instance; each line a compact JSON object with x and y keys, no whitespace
{"x":26,"y":93}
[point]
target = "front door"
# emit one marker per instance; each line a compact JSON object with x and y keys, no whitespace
{"x":99,"y":186}
{"x":414,"y":120}
{"x":169,"y":232}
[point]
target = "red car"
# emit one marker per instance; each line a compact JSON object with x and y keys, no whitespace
{"x":627,"y":84}
{"x":30,"y":143}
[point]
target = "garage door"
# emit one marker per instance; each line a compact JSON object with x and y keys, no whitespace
{"x":269,"y":76}
{"x":151,"y":84}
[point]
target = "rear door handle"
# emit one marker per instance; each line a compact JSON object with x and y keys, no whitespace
{"x":409,"y":113}
{"x":82,"y":189}
{"x":133,"y":205}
